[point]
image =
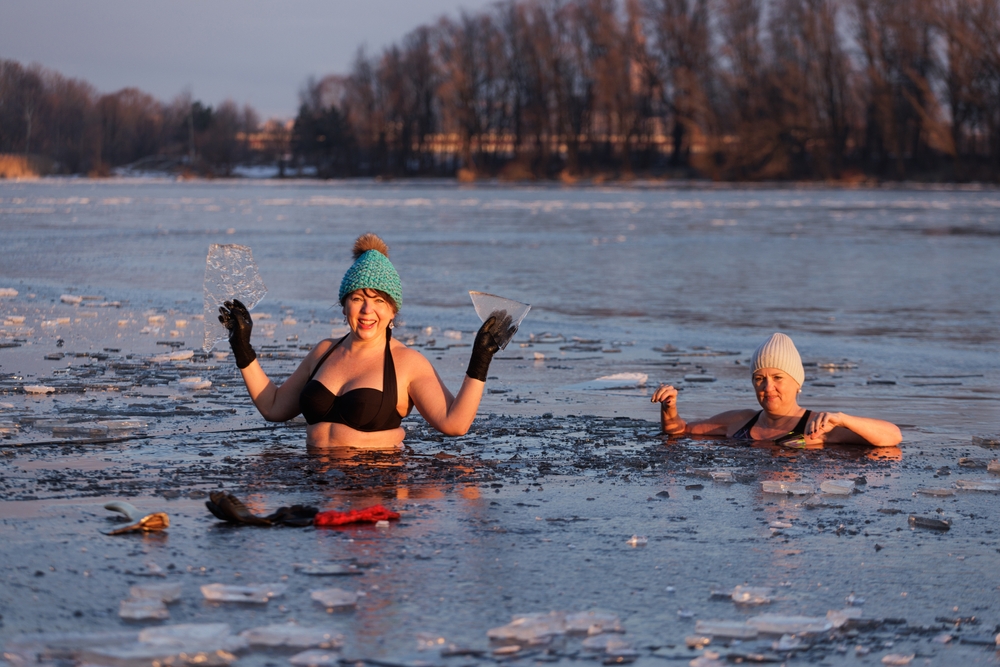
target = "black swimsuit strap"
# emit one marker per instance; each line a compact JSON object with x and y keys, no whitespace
{"x":744,"y":431}
{"x":387,"y":409}
{"x":328,"y":353}
{"x":800,"y":428}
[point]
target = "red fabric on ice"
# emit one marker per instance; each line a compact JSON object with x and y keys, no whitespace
{"x":367,"y":515}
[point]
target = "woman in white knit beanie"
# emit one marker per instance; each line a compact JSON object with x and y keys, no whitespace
{"x":777,"y":376}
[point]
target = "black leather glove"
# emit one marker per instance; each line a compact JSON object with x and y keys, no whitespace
{"x":236,"y":318}
{"x":498,"y":327}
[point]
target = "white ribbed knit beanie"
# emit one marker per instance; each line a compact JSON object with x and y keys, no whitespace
{"x":779,"y":352}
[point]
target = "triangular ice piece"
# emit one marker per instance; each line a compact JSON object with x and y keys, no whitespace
{"x":230,"y":272}
{"x":489,"y":304}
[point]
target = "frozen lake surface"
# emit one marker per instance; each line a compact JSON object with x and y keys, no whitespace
{"x":890,"y":296}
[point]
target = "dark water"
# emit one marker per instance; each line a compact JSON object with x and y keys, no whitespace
{"x":534,"y":511}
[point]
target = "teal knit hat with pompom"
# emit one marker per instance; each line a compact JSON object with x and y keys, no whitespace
{"x":372,"y":270}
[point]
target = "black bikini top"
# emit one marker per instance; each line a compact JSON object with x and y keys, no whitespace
{"x":363,"y":409}
{"x":744,"y":432}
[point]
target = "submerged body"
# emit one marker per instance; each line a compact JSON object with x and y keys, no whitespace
{"x":777,"y":380}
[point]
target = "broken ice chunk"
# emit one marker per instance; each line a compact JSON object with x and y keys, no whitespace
{"x":593,"y":622}
{"x":726,"y":629}
{"x":751,"y":595}
{"x":775,"y":624}
{"x":143,"y":609}
{"x":292,"y":634}
{"x":838,"y":487}
{"x":163,"y":592}
{"x":531,"y":628}
{"x":258,"y":594}
{"x":315,"y":658}
{"x":976,"y":485}
{"x":335,"y":598}
{"x":489,"y":304}
{"x":230,"y":273}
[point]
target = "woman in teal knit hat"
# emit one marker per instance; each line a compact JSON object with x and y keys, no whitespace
{"x":354,"y":391}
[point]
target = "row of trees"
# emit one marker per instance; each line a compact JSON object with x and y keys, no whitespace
{"x":726,"y":89}
{"x":82,"y":131}
{"x":731,"y":89}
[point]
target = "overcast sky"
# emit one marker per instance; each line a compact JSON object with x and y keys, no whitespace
{"x":252,"y":51}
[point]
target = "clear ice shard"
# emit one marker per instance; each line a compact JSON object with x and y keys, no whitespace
{"x":294,"y":635}
{"x":259,"y":593}
{"x":230,"y":272}
{"x":335,"y":598}
{"x":488,"y":304}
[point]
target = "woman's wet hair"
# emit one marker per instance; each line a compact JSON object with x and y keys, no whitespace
{"x":372,"y":293}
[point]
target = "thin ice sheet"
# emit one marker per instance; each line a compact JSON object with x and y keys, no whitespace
{"x":230,"y":272}
{"x":490,"y":304}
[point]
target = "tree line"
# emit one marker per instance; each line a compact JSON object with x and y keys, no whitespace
{"x":725,"y":89}
{"x":722,"y":89}
{"x":80,"y":131}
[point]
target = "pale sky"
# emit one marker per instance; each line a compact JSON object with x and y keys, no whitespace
{"x":254,"y":51}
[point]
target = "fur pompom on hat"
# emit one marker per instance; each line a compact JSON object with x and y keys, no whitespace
{"x":779,"y":352}
{"x":372,"y":270}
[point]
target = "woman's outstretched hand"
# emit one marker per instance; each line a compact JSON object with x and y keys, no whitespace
{"x":499,"y":326}
{"x":670,"y":422}
{"x":236,"y":318}
{"x":666,"y":396}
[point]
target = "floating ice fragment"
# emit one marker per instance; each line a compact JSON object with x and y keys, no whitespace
{"x":853,"y":600}
{"x":184,"y":634}
{"x":840,"y":617}
{"x":451,"y":333}
{"x":788,"y":643}
{"x":697,"y":641}
{"x":986,"y":441}
{"x":699,"y":377}
{"x":837,"y":487}
{"x":123,"y":424}
{"x":7,"y":292}
{"x":194,"y":384}
{"x":532,"y":628}
{"x":315,"y":658}
{"x":292,"y":634}
{"x":610,"y":644}
{"x":776,"y":624}
{"x":230,"y":272}
{"x":750,"y":595}
{"x":259,"y":593}
{"x":637,"y":541}
{"x":938,"y":493}
{"x":778,"y":525}
{"x":993,"y":466}
{"x":793,"y":488}
{"x":165,"y":593}
{"x":898,"y":659}
{"x":726,"y":629}
{"x":16,"y":319}
{"x":328,"y":569}
{"x":335,"y":598}
{"x":156,"y":319}
{"x":977,"y":485}
{"x":488,"y":304}
{"x":616,"y":381}
{"x":38,"y":389}
{"x":929,"y":522}
{"x":723,"y":476}
{"x":592,"y":622}
{"x":72,"y":299}
{"x":143,"y":609}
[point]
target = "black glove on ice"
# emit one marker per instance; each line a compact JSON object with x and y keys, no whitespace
{"x":496,"y":328}
{"x":236,"y":318}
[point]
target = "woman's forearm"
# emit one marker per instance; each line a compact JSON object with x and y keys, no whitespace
{"x":876,"y":432}
{"x":463,"y":408}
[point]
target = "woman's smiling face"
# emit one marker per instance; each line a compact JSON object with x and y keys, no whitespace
{"x":368,"y":312}
{"x":776,"y":390}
